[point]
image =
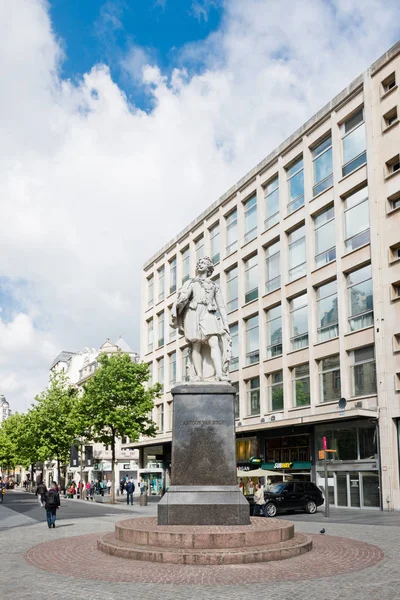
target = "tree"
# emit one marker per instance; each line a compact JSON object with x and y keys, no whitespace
{"x":116,"y":402}
{"x":8,"y":443}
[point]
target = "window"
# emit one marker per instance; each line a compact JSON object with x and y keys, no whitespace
{"x":231,"y":232}
{"x":297,"y":253}
{"x":322,"y":161}
{"x":274,"y":331}
{"x":172,"y":368}
{"x":363,"y":371}
{"x":395,"y":290}
{"x":271,"y":196}
{"x":329,"y":378}
{"x":276,"y":391}
{"x":160,"y":371}
{"x":172,"y":275}
{"x":150,"y":291}
{"x":199,"y":247}
{"x":185,"y":257}
{"x":354,"y":143}
{"x":295,"y":176}
{"x":327,"y":310}
{"x":252,"y":342}
{"x":393,"y":165}
{"x":389,"y":83}
{"x":234,"y":362}
{"x":394,"y":252}
{"x":150,"y":332}
{"x":161,"y":281}
{"x":161,"y":324}
{"x":253,"y":396}
{"x":172,"y":331}
{"x":361,"y":304}
{"x":232,"y":289}
{"x":356,"y":219}
{"x":214,"y":244}
{"x":160,"y":417}
{"x":324,"y":226}
{"x":390,"y":118}
{"x":301,"y":385}
{"x":236,"y":401}
{"x":250,"y":219}
{"x":273,"y":267}
{"x":185,"y":364}
{"x":251,"y":279}
{"x":150,"y":381}
{"x":394,"y":201}
{"x":299,"y":322}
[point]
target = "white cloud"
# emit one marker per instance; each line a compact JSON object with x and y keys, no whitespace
{"x":90,"y":187}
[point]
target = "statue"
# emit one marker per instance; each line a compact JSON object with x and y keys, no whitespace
{"x":199,"y":313}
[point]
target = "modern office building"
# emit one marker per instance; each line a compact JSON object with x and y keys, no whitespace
{"x":306,"y":249}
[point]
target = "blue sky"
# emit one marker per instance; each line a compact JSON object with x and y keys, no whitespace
{"x":94,"y":32}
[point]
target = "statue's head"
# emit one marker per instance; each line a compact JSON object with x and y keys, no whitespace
{"x":205,"y":264}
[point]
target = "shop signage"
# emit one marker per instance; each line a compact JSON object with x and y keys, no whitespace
{"x":271,"y":466}
{"x":255,"y":460}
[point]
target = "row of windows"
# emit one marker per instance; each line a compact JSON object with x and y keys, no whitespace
{"x":359,"y":314}
{"x":356,"y":234}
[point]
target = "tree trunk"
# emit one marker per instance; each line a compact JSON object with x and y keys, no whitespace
{"x":113,"y":470}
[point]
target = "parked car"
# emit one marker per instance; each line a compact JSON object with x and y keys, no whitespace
{"x":290,"y":495}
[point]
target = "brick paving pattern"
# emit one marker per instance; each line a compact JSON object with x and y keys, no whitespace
{"x":79,"y":557}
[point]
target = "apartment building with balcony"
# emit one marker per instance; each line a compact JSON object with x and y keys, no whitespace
{"x":306,"y":249}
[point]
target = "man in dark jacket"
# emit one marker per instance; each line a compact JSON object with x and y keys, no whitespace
{"x":51,"y":504}
{"x":41,"y":489}
{"x":130,"y":488}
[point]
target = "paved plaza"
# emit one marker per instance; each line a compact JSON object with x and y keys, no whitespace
{"x":37,"y":562}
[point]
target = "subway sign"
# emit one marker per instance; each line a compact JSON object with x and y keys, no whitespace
{"x":272,"y":466}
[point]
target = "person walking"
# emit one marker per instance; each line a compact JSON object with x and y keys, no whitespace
{"x":130,"y":488}
{"x":2,"y":491}
{"x":41,"y":489}
{"x":258,"y":501}
{"x":51,"y":504}
{"x":92,"y":490}
{"x":109,"y":484}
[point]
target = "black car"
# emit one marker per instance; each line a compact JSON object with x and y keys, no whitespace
{"x":290,"y":495}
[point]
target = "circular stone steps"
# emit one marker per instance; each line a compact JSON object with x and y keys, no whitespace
{"x":261,"y":541}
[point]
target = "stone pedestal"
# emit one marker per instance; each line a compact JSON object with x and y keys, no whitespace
{"x":203,"y":488}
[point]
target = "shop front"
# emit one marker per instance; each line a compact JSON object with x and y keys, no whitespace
{"x":152,"y":478}
{"x":353,"y":466}
{"x":288,"y":457}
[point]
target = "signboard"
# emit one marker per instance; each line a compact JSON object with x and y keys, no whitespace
{"x":324,"y":444}
{"x":255,"y":460}
{"x":276,"y":466}
{"x":321,"y":454}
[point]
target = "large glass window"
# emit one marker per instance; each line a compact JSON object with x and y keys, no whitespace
{"x":299,"y":322}
{"x":160,"y":371}
{"x":160,"y":417}
{"x":234,"y":363}
{"x":252,"y":341}
{"x":150,"y":291}
{"x":295,"y":176}
{"x":250,"y":219}
{"x":232,"y":289}
{"x":215,"y":243}
{"x":150,"y":334}
{"x":161,"y":283}
{"x":231,"y":232}
{"x":276,"y":391}
{"x":361,"y":303}
{"x":325,"y":249}
{"x":273,"y":267}
{"x":199,"y":247}
{"x":271,"y":195}
{"x":327,"y":307}
{"x":235,"y":384}
{"x":356,"y":220}
{"x":364,"y":371}
{"x":274,"y":331}
{"x":301,"y":385}
{"x":322,"y":161}
{"x":297,"y":253}
{"x":172,"y":368}
{"x":185,"y":364}
{"x":251,"y":278}
{"x":161,"y":327}
{"x":253,"y":396}
{"x":329,"y":378}
{"x":354,"y":143}
{"x":172,"y":275}
{"x":185,"y":257}
{"x":172,"y":331}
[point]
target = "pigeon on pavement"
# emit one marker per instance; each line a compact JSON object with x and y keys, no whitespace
{"x":322,"y":531}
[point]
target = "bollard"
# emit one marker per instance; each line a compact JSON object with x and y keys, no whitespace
{"x":143,"y":500}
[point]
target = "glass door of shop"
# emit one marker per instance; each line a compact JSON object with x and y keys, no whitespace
{"x":356,"y":489}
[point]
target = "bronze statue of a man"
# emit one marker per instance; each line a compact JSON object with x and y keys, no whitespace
{"x":199,"y":313}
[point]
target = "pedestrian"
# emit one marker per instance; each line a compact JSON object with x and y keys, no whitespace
{"x":130,"y":488}
{"x":122,"y":486}
{"x":102,"y":486}
{"x":92,"y":489}
{"x":2,"y":490}
{"x":141,"y":487}
{"x":41,"y":489}
{"x":87,"y":490}
{"x":51,"y":504}
{"x":109,"y":484}
{"x":259,"y":501}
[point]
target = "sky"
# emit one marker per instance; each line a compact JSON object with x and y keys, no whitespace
{"x":120,"y":122}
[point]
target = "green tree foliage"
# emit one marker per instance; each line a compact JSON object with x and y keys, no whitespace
{"x":117,"y":402}
{"x":9,"y":442}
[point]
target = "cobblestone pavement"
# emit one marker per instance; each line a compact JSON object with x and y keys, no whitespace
{"x":24,"y":581}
